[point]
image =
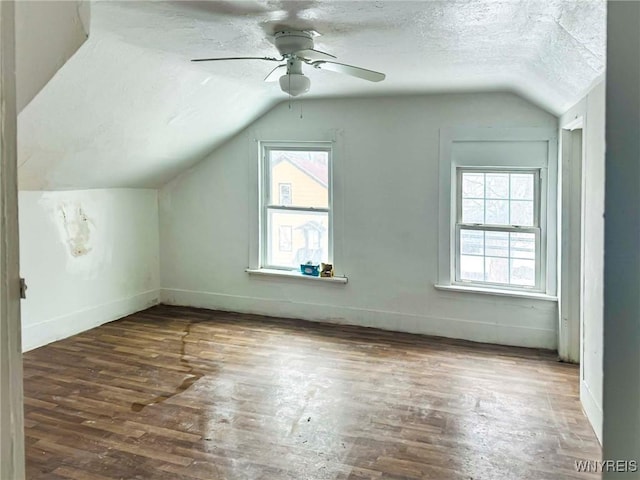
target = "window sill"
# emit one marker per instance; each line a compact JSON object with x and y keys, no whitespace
{"x":293,"y":274}
{"x":498,"y":292}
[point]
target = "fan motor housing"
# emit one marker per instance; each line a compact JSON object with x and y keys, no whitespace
{"x":291,"y":41}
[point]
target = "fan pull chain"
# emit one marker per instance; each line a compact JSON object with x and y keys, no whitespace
{"x":300,"y":109}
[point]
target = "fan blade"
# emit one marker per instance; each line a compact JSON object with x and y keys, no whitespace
{"x":349,"y":70}
{"x":271,"y":59}
{"x":276,"y":73}
{"x":314,"y":54}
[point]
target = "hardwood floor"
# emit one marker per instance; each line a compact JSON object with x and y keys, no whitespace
{"x":184,"y":394}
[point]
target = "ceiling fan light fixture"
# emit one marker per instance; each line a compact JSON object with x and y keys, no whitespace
{"x":296,"y":48}
{"x":295,"y":84}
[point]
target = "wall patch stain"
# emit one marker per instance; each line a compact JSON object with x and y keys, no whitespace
{"x":78,"y":234}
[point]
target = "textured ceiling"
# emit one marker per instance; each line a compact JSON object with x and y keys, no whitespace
{"x":62,"y":26}
{"x":129,"y":109}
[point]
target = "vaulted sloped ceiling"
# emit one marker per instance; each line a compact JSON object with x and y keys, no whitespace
{"x":130,"y":110}
{"x":48,"y":33}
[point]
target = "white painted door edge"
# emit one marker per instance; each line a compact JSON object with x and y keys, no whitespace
{"x":11,"y":396}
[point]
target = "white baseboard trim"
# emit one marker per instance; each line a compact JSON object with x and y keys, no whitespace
{"x":385,"y":320}
{"x":592,"y":409}
{"x":63,"y":326}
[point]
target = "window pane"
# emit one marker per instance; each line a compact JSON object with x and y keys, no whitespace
{"x":507,"y":258}
{"x":309,"y":238}
{"x":497,"y":212}
{"x":521,"y":213}
{"x":497,"y":244}
{"x":497,"y":185}
{"x":522,"y":186}
{"x":472,"y":242}
{"x":473,"y":185}
{"x":472,"y":211}
{"x":306,"y":173}
{"x":496,"y":270}
{"x":471,"y":268}
{"x":523,"y":245}
{"x":523,"y":272}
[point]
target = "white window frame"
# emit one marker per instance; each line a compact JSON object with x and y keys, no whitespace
{"x":266,"y":204}
{"x":449,"y":162}
{"x":536,"y":229}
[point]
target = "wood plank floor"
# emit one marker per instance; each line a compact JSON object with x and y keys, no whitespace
{"x":184,"y":394}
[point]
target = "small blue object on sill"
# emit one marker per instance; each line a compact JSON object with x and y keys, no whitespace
{"x":309,"y":269}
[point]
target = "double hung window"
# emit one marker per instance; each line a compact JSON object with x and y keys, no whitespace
{"x":498,"y":234}
{"x":296,"y":217}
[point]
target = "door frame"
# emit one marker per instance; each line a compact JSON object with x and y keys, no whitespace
{"x":571,"y":213}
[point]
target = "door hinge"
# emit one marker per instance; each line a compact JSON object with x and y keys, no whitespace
{"x":23,"y":288}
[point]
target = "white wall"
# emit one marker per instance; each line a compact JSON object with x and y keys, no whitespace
{"x":88,"y":257}
{"x":592,"y":111}
{"x":386,"y":222}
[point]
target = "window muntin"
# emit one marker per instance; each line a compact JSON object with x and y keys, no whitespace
{"x":498,"y":234}
{"x":296,"y":214}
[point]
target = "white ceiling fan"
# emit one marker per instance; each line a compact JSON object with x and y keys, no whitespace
{"x":296,"y":48}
